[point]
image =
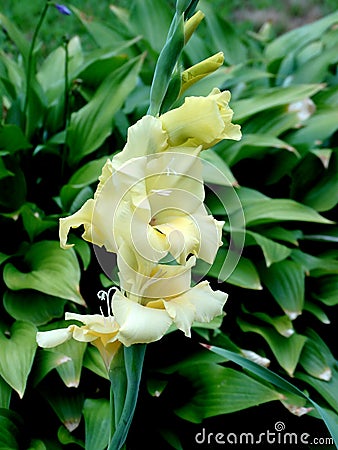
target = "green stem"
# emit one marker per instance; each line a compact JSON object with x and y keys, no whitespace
{"x":30,"y":63}
{"x":66,"y":104}
{"x":133,"y":358}
{"x":118,"y":388}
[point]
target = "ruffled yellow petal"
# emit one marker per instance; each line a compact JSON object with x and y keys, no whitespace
{"x":201,"y":121}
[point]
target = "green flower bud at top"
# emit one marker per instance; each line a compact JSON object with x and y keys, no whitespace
{"x":200,"y":70}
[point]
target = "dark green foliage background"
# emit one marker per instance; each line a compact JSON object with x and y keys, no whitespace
{"x":283,"y":293}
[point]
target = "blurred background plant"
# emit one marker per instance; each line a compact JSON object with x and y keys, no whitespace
{"x":66,"y":107}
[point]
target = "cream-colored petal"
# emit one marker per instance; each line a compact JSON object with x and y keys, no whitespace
{"x":52,"y":338}
{"x":208,"y":303}
{"x":138,"y":324}
{"x":96,"y":322}
{"x":182,"y":312}
{"x":197,"y":121}
{"x":82,"y":217}
{"x":144,"y":138}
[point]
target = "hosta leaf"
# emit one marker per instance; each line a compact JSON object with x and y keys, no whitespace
{"x":323,"y":195}
{"x":101,"y":33}
{"x":272,"y":97}
{"x":96,"y":414}
{"x":47,"y":360}
{"x":327,"y":389}
{"x":265,"y":374}
{"x":84,"y":135}
{"x":313,"y":361}
{"x":66,"y":437}
{"x":12,"y":139}
{"x":53,"y":271}
{"x":33,"y":306}
{"x":66,"y":402}
{"x":215,"y":170}
{"x":326,"y":290}
{"x":17,"y":355}
{"x":253,"y":145}
{"x":299,"y":37}
{"x":286,"y":350}
{"x":221,"y":390}
{"x":244,"y":273}
{"x":34,"y":220}
{"x":225,"y":37}
{"x":16,"y":35}
{"x":274,"y":210}
{"x":317,"y":311}
{"x":10,"y":425}
{"x":5,"y":393}
{"x":285,"y":281}
{"x":317,"y":128}
{"x":316,"y":266}
{"x":70,"y":371}
{"x":282,"y":324}
{"x":272,"y":251}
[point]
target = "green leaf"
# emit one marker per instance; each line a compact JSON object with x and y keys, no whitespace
{"x":271,"y":377}
{"x":253,"y":145}
{"x":282,"y":324}
{"x":46,"y":360}
{"x":275,"y":210}
{"x":272,"y":97}
{"x":272,"y":251}
{"x":242,"y":273}
{"x":326,"y":290}
{"x":285,"y":281}
{"x":34,"y":220}
{"x":12,"y":139}
{"x":33,"y":306}
{"x":100,"y":32}
{"x":96,"y":415}
{"x":327,"y":389}
{"x":66,"y":437}
{"x":215,"y":170}
{"x":10,"y":425}
{"x":92,"y":124}
{"x":296,"y":39}
{"x":15,"y":34}
{"x":224,"y":36}
{"x":67,"y":403}
{"x":314,"y":362}
{"x":221,"y":390}
{"x":83,"y":177}
{"x":17,"y":355}
{"x":5,"y":394}
{"x":70,"y":371}
{"x":53,"y":271}
{"x":323,"y":195}
{"x":287,"y":350}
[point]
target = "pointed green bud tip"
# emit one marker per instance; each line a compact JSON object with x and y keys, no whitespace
{"x":191,"y":25}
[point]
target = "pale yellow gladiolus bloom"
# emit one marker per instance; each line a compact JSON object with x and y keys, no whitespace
{"x":99,"y":330}
{"x":156,"y":204}
{"x":155,"y":296}
{"x":201,"y":121}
